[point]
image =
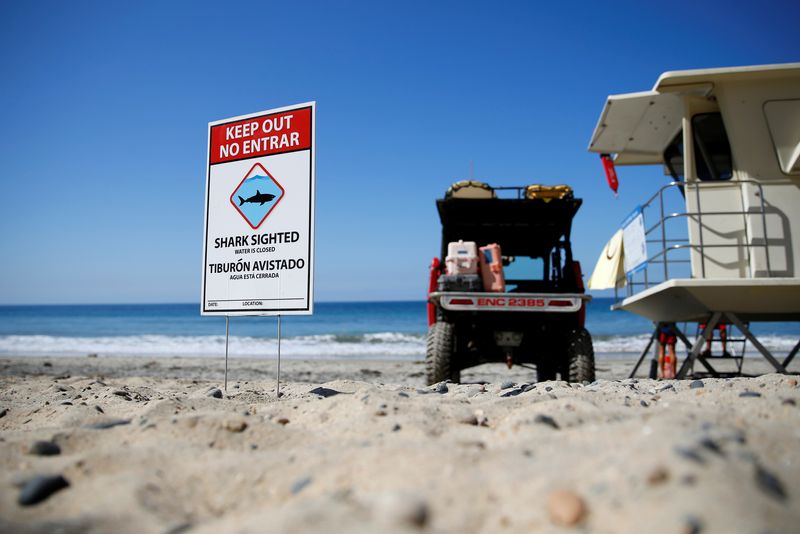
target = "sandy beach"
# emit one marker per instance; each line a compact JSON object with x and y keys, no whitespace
{"x":131,"y":444}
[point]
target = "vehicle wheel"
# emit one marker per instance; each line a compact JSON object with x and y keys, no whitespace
{"x":439,"y":364}
{"x":580,"y":356}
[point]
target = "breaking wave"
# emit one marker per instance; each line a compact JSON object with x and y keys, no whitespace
{"x":390,"y":345}
{"x":385,"y":345}
{"x":636,"y":344}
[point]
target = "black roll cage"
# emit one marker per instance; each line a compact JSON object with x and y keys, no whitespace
{"x":534,"y":227}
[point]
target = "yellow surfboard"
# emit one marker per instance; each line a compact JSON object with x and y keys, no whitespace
{"x":609,"y":271}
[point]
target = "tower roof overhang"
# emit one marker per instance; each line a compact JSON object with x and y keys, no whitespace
{"x":637,"y":127}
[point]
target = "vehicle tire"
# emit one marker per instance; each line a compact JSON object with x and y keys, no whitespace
{"x":439,"y":364}
{"x":580,"y":357}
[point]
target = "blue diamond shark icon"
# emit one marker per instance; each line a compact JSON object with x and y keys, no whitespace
{"x":257,"y":195}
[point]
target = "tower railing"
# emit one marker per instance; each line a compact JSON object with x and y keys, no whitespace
{"x":669,"y":250}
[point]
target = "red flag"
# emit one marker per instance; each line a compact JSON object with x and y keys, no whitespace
{"x":611,"y":173}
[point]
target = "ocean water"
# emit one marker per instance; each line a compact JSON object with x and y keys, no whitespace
{"x":353,"y":330}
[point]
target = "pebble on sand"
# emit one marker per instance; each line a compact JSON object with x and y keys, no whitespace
{"x":44,"y":448}
{"x":404,"y":509}
{"x":749,"y":394}
{"x":179,"y":529}
{"x":215,"y":393}
{"x":40,"y":488}
{"x":102,"y":425}
{"x":696,"y":384}
{"x":689,"y":453}
{"x":711,"y":445}
{"x":300,"y":484}
{"x":470,"y":419}
{"x":546,"y":420}
{"x":566,"y":508}
{"x":324,"y":392}
{"x":235,"y":425}
{"x":692,"y":525}
{"x":770,"y":484}
{"x":659,"y":475}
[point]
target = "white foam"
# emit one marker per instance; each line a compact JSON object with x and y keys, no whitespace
{"x":387,"y":344}
{"x":636,"y":344}
{"x":327,"y":346}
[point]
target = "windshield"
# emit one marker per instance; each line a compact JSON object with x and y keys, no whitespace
{"x":524,"y":268}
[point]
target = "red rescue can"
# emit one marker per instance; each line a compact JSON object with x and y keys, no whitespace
{"x":492,"y":269}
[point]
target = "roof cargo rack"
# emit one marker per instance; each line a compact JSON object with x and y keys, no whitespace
{"x":521,"y":226}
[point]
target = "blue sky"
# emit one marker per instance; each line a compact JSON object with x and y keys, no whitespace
{"x":106,"y":105}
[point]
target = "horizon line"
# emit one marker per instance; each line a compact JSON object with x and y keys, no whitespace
{"x":173,"y":303}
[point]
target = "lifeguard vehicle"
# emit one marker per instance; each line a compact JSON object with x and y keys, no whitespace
{"x":506,"y":287}
{"x":719,"y":240}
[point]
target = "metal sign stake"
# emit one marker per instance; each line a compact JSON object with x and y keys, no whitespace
{"x":227,"y":330}
{"x":278,"y":386}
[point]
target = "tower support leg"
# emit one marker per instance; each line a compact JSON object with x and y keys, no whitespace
{"x":791,"y":355}
{"x":698,"y":345}
{"x":750,"y":337}
{"x":700,"y":359}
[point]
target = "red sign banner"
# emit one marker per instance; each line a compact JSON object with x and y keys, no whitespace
{"x":261,"y":136}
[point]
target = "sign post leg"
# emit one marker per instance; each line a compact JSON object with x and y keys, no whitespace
{"x":227,"y":330}
{"x":278,"y":386}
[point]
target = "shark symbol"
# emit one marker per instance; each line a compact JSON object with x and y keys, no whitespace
{"x":259,"y":198}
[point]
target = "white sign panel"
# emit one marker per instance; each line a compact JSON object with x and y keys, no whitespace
{"x":634,"y":241}
{"x":258,"y":252}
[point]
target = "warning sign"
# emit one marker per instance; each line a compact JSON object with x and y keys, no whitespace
{"x":259,"y":220}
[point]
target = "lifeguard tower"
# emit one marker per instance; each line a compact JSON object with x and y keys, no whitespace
{"x":728,"y":140}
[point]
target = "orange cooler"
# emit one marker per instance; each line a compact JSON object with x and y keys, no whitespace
{"x":492,"y":269}
{"x":462,"y":257}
